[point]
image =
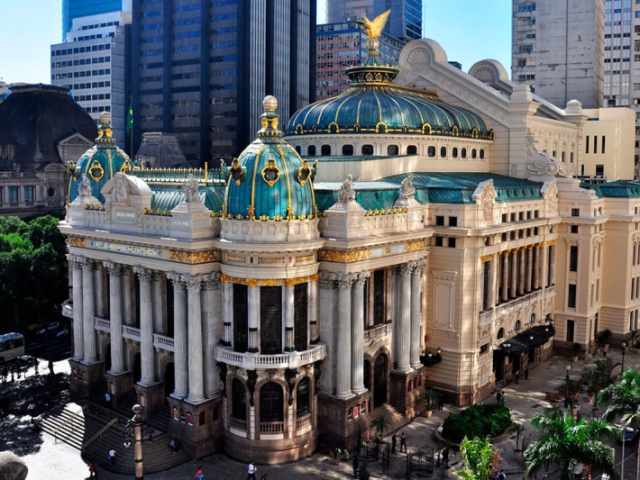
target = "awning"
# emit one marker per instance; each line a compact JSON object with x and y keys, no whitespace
{"x":531,"y":338}
{"x":430,"y":361}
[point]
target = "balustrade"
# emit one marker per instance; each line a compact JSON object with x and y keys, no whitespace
{"x":254,"y":361}
{"x":238,"y":424}
{"x":163,"y":342}
{"x":271,"y":428}
{"x":379,"y":331}
{"x":103,"y":325}
{"x":132,"y":333}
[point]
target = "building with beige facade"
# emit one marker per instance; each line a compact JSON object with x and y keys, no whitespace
{"x":423,"y":228}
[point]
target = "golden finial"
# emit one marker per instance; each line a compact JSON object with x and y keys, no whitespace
{"x":270,"y":103}
{"x":374,"y":28}
{"x":105,"y":119}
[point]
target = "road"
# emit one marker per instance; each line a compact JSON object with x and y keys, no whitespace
{"x":38,"y":347}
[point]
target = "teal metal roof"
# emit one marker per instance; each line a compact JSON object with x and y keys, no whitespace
{"x":387,"y":108}
{"x":621,"y":189}
{"x":166,"y":198}
{"x":454,"y":188}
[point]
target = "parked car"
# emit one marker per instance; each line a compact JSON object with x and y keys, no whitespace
{"x":63,"y":333}
{"x":53,"y":326}
{"x":629,"y":433}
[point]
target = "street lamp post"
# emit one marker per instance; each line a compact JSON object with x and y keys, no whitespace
{"x":566,"y":396}
{"x":624,"y":350}
{"x":137,"y":435}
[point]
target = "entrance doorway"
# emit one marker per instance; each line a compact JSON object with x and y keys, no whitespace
{"x":169,"y":380}
{"x":380,"y":380}
{"x":137,"y":368}
{"x":107,"y":357}
{"x":367,"y":375}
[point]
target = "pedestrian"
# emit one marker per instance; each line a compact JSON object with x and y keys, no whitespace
{"x":504,"y":399}
{"x":364,"y":473}
{"x":107,"y":399}
{"x":112,"y":457}
{"x":199,"y":475}
{"x":394,"y":440}
{"x":174,"y":446}
{"x":445,"y":456}
{"x":498,"y":397}
{"x":403,"y":442}
{"x":502,"y":475}
{"x":355,"y":466}
{"x":93,"y":472}
{"x":252,"y":471}
{"x":517,"y":376}
{"x":337,"y":452}
{"x":31,"y":409}
{"x":526,"y":373}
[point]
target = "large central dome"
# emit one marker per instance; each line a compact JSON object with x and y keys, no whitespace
{"x":374,"y":104}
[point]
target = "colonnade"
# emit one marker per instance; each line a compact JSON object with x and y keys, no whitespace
{"x":196,"y":321}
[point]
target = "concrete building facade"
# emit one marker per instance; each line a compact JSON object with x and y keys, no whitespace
{"x":72,"y":9}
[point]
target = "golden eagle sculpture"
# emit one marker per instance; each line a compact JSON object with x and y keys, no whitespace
{"x":374,"y":28}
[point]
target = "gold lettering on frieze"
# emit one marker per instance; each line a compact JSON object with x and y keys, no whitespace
{"x":233,"y":258}
{"x":415,"y":246}
{"x":76,"y":242}
{"x":271,"y":260}
{"x":193,"y":257}
{"x":305,"y":258}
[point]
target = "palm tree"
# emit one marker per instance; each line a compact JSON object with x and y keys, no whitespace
{"x":479,"y":459}
{"x":381,"y":425}
{"x":570,"y":444}
{"x":604,"y":372}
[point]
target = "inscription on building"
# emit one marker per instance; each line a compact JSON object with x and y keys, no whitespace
{"x":127,"y":249}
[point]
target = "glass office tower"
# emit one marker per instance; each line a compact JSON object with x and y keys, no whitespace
{"x":83,"y":8}
{"x":201,"y":68}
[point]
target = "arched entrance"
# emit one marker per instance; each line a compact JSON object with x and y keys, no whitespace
{"x":169,"y":380}
{"x":137,"y":368}
{"x":367,"y":375}
{"x":380,"y":380}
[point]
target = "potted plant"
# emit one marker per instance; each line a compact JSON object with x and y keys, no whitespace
{"x":573,"y":387}
{"x":519,"y":429}
{"x":430,"y":398}
{"x":603,"y":339}
{"x":576,"y":348}
{"x":589,"y":378}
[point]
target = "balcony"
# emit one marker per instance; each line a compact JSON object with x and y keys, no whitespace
{"x":103,"y":325}
{"x":488,"y":317}
{"x":162,"y":342}
{"x":67,"y":309}
{"x":238,"y":427}
{"x":377,"y":332}
{"x":131,"y":333}
{"x":303,"y":425}
{"x":254,"y":361}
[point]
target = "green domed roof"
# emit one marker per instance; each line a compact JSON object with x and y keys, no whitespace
{"x":269,"y":181}
{"x":374,"y":104}
{"x":100,"y":163}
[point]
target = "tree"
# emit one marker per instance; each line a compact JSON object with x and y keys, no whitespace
{"x":479,"y":457}
{"x":381,"y":425}
{"x":570,"y":444}
{"x":604,"y":372}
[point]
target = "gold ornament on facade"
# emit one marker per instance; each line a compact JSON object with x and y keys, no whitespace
{"x":76,"y":242}
{"x":96,"y":171}
{"x":237,"y":174}
{"x":304,"y":173}
{"x":193,"y":257}
{"x":252,"y":282}
{"x":344,"y":257}
{"x":415,"y":246}
{"x":271,"y":172}
{"x":126,"y":167}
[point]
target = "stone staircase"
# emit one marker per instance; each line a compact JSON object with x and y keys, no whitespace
{"x":393,"y":417}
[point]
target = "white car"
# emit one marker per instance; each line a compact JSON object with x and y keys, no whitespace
{"x":63,"y":333}
{"x":51,"y":327}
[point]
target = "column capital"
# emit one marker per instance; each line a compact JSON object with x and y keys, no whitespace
{"x":345,"y":280}
{"x":361,"y":277}
{"x":75,"y":260}
{"x":114,"y":269}
{"x":157,"y":276}
{"x":417,"y":266}
{"x":327,"y":279}
{"x":178,"y":279}
{"x":144,"y":274}
{"x":211,"y":281}
{"x":194,"y":282}
{"x":404,"y":268}
{"x":87,"y":263}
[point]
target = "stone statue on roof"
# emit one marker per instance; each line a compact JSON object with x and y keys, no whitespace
{"x":84,"y":186}
{"x":407,"y":190}
{"x":541,"y":165}
{"x":346,"y":193}
{"x":120,"y":190}
{"x":191,"y":190}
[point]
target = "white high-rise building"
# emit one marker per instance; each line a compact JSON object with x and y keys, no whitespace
{"x":91,"y":63}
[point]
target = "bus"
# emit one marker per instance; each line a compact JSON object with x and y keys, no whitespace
{"x":11,"y":347}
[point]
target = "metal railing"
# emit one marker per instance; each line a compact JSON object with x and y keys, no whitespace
{"x":67,"y":422}
{"x":99,"y":434}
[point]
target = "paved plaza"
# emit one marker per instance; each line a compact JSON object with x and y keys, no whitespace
{"x":58,"y":461}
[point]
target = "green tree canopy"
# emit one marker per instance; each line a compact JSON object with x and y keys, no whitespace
{"x":479,"y":459}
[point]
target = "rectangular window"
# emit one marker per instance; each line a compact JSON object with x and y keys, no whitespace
{"x":379,"y":297}
{"x":521,"y":216}
{"x":453,"y":221}
{"x":28,"y":194}
{"x":439,"y":241}
{"x":595,"y":144}
{"x":505,"y":218}
{"x":14,"y":194}
{"x":587,"y":144}
{"x":604,"y":144}
{"x":575,"y":212}
{"x":452,"y":243}
{"x":571,"y":301}
{"x":599,"y":170}
{"x":633,"y":288}
{"x":597,"y":290}
{"x":573,"y":259}
{"x":300,"y":320}
{"x":485,"y":286}
{"x":571,"y":327}
{"x":574,"y":228}
{"x":484,"y":349}
{"x":439,"y":220}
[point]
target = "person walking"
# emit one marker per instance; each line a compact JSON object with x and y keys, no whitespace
{"x":356,"y":464}
{"x":252,"y":471}
{"x":112,"y":457}
{"x":403,"y":442}
{"x":517,"y":376}
{"x":502,"y":475}
{"x":337,"y":452}
{"x":394,"y":440}
{"x":93,"y":472}
{"x":445,"y":456}
{"x":526,"y":373}
{"x":199,"y":475}
{"x":499,"y":397}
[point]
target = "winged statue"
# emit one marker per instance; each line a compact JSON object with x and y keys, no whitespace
{"x":374,"y":28}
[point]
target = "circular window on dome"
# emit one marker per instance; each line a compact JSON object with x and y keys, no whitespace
{"x":51,"y":192}
{"x":96,"y":171}
{"x":271,"y":172}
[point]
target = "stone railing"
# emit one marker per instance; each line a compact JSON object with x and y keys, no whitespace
{"x":67,"y":309}
{"x":238,"y":424}
{"x":379,"y":331}
{"x":271,"y":428}
{"x":488,"y":317}
{"x":163,"y":342}
{"x":253,"y":361}
{"x":131,"y":333}
{"x":303,"y":424}
{"x":103,"y":325}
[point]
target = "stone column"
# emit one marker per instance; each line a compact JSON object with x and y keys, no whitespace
{"x":529,"y":263}
{"x":88,"y":312}
{"x":115,"y":308}
{"x":505,"y":277}
{"x":343,"y":339}
{"x":181,"y":354}
{"x":78,"y":309}
{"x":416,"y":317}
{"x":536,"y":268}
{"x":196,"y":369}
{"x":521,"y":271}
{"x":159,"y":286}
{"x":552,"y":263}
{"x":289,"y":344}
{"x":327,"y":284}
{"x":210,"y":331}
{"x":514,"y":274}
{"x":492,"y":282}
{"x":227,"y":311}
{"x":357,"y":334}
{"x":146,"y":327}
{"x":253,"y":297}
{"x":404,"y":343}
{"x":129,"y":296}
{"x":313,"y":309}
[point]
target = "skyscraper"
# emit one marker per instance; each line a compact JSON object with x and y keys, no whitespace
{"x":405,"y":21}
{"x":200,"y":68}
{"x":72,"y":9}
{"x":558,"y":49}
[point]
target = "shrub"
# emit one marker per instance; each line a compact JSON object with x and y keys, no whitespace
{"x":476,"y":421}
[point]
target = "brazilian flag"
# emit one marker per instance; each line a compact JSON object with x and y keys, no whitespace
{"x":130,"y":118}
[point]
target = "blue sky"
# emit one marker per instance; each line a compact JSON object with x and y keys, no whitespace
{"x":468,"y":30}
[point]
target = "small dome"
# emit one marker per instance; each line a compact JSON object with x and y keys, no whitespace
{"x":269,"y":181}
{"x":100,"y":163}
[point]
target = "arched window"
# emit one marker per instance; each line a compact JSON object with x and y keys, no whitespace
{"x":347,"y":149}
{"x":501,"y":333}
{"x":298,"y":149}
{"x":443,"y":152}
{"x":482,"y":154}
{"x":367,"y":150}
{"x":271,"y":403}
{"x":431,"y":151}
{"x":325,"y":150}
{"x":392,"y":150}
{"x":303,"y":398}
{"x":238,"y":400}
{"x":454,"y":153}
{"x":412,"y":150}
{"x":464,"y":153}
{"x":311,"y":150}
{"x":517,"y":326}
{"x":474,"y":154}
{"x":533,"y":318}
